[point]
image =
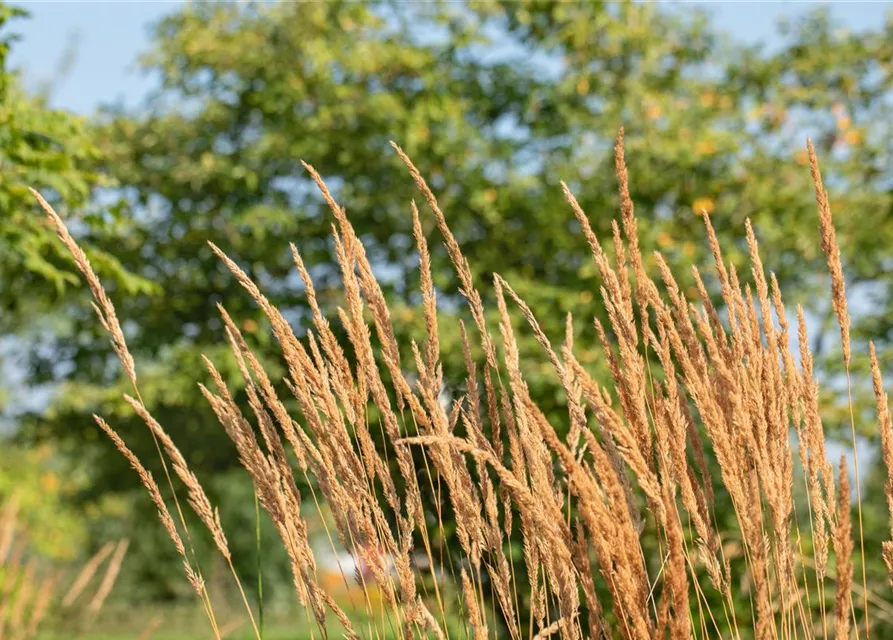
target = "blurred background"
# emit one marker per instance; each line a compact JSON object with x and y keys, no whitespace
{"x":156,"y":126}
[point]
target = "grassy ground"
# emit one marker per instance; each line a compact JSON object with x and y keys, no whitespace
{"x":187,"y":622}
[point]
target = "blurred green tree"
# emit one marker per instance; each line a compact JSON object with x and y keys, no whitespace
{"x":54,"y":151}
{"x":496,"y":102}
{"x":35,"y":482}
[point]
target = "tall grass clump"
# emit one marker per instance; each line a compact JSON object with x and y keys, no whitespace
{"x":614,"y":505}
{"x":33,"y":591}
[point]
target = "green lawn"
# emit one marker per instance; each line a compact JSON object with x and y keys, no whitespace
{"x":187,"y":622}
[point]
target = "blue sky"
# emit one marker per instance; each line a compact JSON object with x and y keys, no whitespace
{"x":106,"y":37}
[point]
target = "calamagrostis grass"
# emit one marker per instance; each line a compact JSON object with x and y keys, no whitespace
{"x":30,"y":588}
{"x":614,"y":504}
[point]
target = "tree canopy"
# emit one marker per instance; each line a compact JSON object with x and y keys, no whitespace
{"x":54,"y":151}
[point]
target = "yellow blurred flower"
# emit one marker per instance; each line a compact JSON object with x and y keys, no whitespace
{"x":653,"y":112}
{"x":249,"y":325}
{"x":708,"y":99}
{"x":49,"y":482}
{"x":843,"y":123}
{"x":702,"y":205}
{"x":664,"y":240}
{"x":490,"y":195}
{"x":704,"y":147}
{"x":585,"y":297}
{"x":853,"y":136}
{"x":583,"y":86}
{"x":801,"y":157}
{"x":331,"y":581}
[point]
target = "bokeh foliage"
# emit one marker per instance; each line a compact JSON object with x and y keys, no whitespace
{"x":54,"y":151}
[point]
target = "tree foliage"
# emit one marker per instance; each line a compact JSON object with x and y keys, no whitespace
{"x":54,"y":151}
